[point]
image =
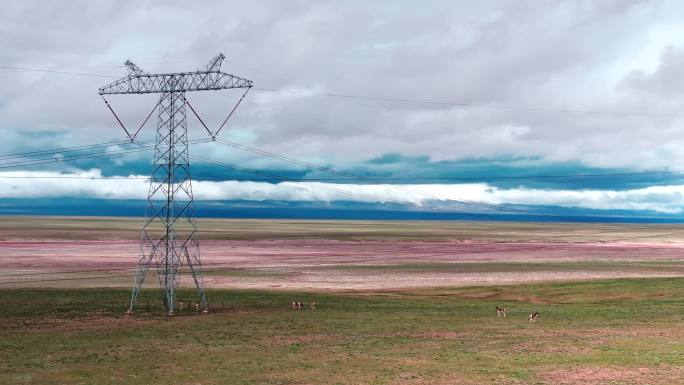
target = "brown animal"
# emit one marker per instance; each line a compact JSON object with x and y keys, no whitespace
{"x":197,"y":307}
{"x":500,"y":312}
{"x":313,"y":305}
{"x":533,"y":317}
{"x":293,"y":306}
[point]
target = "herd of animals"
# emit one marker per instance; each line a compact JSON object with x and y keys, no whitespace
{"x":301,"y":305}
{"x":190,"y":306}
{"x":297,"y":305}
{"x":500,"y":311}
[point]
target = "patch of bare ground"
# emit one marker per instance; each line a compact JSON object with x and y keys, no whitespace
{"x":538,"y":347}
{"x":516,"y":298}
{"x":297,"y":339}
{"x":414,"y":378}
{"x":312,"y":338}
{"x":602,"y":336}
{"x":92,"y":322}
{"x":613,"y":376}
{"x":638,"y":332}
{"x":437,"y":334}
{"x":645,"y":331}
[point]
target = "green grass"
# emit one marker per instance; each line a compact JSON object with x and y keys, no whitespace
{"x":431,"y":336}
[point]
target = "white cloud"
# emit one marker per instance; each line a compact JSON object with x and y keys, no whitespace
{"x":24,"y":184}
{"x":46,"y":184}
{"x":593,"y":55}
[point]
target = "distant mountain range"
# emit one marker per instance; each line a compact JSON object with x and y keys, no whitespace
{"x":317,"y":210}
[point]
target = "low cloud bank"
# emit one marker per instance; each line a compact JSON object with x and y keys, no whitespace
{"x":91,"y":184}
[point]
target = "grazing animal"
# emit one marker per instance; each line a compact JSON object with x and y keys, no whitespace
{"x":197,"y":307}
{"x":179,"y":305}
{"x":300,"y":306}
{"x":293,"y":306}
{"x":533,"y":317}
{"x":313,"y":305}
{"x":500,"y":312}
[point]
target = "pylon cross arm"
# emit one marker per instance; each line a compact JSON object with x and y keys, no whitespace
{"x":174,"y":82}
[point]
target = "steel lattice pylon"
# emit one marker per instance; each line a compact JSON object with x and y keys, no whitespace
{"x":169,"y":233}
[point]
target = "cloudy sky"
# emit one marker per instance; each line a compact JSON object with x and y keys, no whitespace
{"x":446,"y":102}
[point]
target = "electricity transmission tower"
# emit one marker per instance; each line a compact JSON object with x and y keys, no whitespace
{"x":169,"y":233}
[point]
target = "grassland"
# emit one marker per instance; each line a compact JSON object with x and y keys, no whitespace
{"x":399,"y":303}
{"x":117,"y":228}
{"x":603,"y":332}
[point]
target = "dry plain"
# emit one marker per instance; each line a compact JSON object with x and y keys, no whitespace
{"x":348,"y":255}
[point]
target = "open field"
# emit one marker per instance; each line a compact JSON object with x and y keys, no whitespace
{"x":344,"y":255}
{"x":117,"y":228}
{"x":602,"y":332}
{"x":399,"y":303}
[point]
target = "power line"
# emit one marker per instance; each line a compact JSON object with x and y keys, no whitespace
{"x":84,"y":177}
{"x":327,"y":169}
{"x":278,"y":177}
{"x":79,"y":157}
{"x":42,"y":161}
{"x":45,"y":70}
{"x":397,"y":100}
{"x":63,"y":149}
{"x":542,"y":176}
{"x":473,"y":105}
{"x":368,"y":179}
{"x":296,"y":179}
